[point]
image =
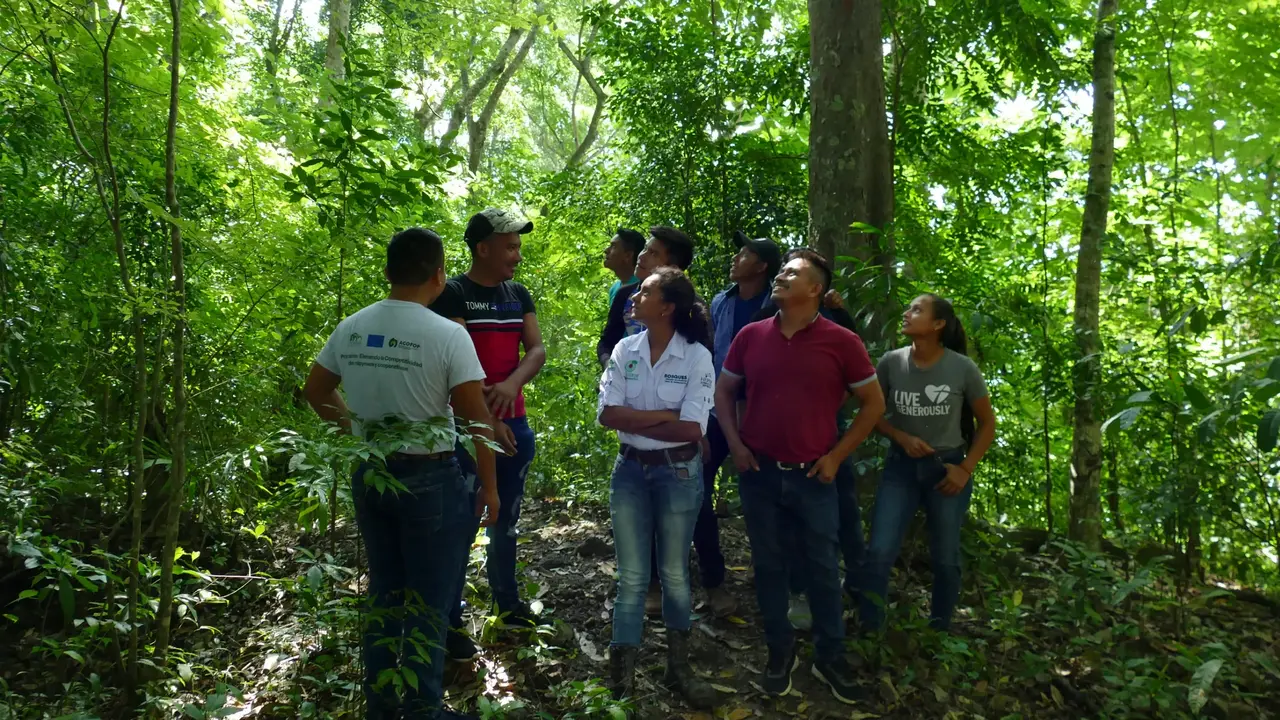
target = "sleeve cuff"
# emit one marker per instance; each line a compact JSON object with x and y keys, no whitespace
{"x":860,"y":383}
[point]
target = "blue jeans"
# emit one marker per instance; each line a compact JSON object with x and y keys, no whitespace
{"x":852,"y":545}
{"x":416,"y":542}
{"x":775,"y":504}
{"x":501,"y":560}
{"x":706,"y":533}
{"x":907,"y":484}
{"x":647,"y":501}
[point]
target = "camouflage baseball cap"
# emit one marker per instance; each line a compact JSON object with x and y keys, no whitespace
{"x":490,"y":221}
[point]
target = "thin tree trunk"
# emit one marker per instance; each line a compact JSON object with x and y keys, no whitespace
{"x":478,"y":131}
{"x":462,"y":111}
{"x":1113,"y":487}
{"x":339,"y":30}
{"x":178,"y":440}
{"x":1086,"y":451}
{"x":1046,"y":365}
{"x":111,"y":206}
{"x":850,"y":172}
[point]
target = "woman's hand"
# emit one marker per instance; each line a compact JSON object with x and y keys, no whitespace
{"x":957,"y":477}
{"x":914,"y":446}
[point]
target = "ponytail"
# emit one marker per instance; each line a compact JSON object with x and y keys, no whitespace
{"x":952,"y":337}
{"x":695,"y":325}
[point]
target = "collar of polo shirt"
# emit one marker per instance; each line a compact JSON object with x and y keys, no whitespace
{"x":675,"y":348}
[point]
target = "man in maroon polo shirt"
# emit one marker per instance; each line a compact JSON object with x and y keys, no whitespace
{"x":797,"y":368}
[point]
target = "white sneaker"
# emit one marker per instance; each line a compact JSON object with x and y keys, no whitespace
{"x":798,"y":613}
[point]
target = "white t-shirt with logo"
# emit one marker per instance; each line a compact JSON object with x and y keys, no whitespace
{"x":398,"y":359}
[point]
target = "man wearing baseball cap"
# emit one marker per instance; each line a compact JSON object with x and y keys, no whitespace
{"x":499,"y":315}
{"x":753,"y":268}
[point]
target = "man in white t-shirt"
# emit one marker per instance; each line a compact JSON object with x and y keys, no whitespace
{"x":401,"y":366}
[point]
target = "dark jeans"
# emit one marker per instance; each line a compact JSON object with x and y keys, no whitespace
{"x":501,"y":560}
{"x":907,"y":484}
{"x":647,"y":501}
{"x":417,"y":543}
{"x":852,"y":545}
{"x":774,"y":500}
{"x":706,"y":534}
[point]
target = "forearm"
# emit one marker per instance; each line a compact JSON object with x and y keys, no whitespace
{"x":529,"y":366}
{"x":331,"y":408}
{"x":981,"y":443}
{"x":888,"y":430}
{"x":677,"y":431}
{"x":867,"y":419}
{"x":630,"y":420}
{"x":727,"y":416}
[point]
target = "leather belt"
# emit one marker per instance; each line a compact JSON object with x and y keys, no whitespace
{"x":415,"y":457}
{"x":682,"y":453}
{"x":763,"y":460}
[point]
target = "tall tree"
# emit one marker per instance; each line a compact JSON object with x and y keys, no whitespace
{"x":850,"y":171}
{"x":178,"y":439}
{"x":1086,"y":449}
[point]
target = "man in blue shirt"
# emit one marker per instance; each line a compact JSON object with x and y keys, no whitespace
{"x":620,"y":259}
{"x":752,"y":271}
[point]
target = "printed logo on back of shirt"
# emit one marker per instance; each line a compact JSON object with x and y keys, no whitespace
{"x":402,"y":344}
{"x":354,"y":338}
{"x":376,"y":340}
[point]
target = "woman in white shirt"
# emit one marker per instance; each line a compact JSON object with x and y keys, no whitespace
{"x":657,"y":392}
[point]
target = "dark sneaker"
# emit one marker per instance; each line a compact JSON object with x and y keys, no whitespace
{"x":518,"y":617}
{"x":777,"y":674}
{"x":837,"y":675}
{"x":723,"y":603}
{"x":459,"y":647}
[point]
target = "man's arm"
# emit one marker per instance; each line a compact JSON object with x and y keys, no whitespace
{"x":615,"y":327}
{"x":321,"y":391}
{"x":468,"y":403}
{"x":502,"y":396}
{"x":727,"y":388}
{"x":870,"y":409}
{"x":985,"y":416}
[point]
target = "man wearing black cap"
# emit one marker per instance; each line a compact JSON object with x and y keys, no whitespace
{"x":752,"y":270}
{"x":499,"y":315}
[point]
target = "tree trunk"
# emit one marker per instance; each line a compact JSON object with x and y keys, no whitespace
{"x":462,"y":111}
{"x":339,"y":29}
{"x":178,"y":440}
{"x":1086,"y":451}
{"x":850,"y":174}
{"x":1113,"y":487}
{"x":478,"y":131}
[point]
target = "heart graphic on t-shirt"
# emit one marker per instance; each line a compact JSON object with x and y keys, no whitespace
{"x":937,"y":393}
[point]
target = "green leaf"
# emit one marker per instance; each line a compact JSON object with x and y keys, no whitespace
{"x":184,"y":672}
{"x":1268,"y":430}
{"x":25,"y":594}
{"x":1127,"y":418}
{"x":1201,"y":681}
{"x":67,"y":597}
{"x":314,"y":578}
{"x":1273,"y":370}
{"x":1198,"y":399}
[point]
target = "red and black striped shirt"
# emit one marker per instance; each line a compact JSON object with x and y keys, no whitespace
{"x":494,"y":316}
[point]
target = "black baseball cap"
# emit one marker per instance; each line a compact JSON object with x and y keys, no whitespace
{"x":492,"y":220}
{"x":765,"y":249}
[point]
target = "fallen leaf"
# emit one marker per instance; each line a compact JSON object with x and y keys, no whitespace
{"x":738,"y":714}
{"x":723,"y":688}
{"x":736,"y":620}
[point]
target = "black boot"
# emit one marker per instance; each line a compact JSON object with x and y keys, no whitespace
{"x":622,"y":670}
{"x":680,"y":678}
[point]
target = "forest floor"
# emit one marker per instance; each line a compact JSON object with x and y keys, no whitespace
{"x":1043,"y":632}
{"x":1044,"y":635}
